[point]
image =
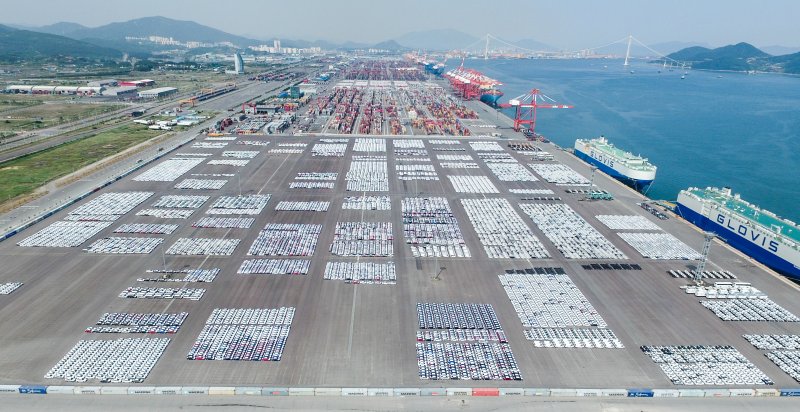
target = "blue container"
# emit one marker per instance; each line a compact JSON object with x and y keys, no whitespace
{"x":790,"y":392}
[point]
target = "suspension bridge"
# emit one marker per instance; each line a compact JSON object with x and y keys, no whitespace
{"x":491,"y":46}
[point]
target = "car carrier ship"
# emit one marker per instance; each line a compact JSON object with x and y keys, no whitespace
{"x":624,"y":166}
{"x":761,"y":234}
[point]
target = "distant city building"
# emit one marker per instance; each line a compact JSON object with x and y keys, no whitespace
{"x":169,"y":41}
{"x":276,"y":48}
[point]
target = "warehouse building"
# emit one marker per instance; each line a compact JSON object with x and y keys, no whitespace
{"x":158,"y":92}
{"x":39,"y":89}
{"x":138,"y":83}
{"x":121,"y":91}
{"x":103,"y":83}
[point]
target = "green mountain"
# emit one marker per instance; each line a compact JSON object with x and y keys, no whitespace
{"x":788,"y":63}
{"x":735,"y":57}
{"x":17,"y":45}
{"x":160,"y":26}
{"x":389,"y":45}
{"x":60,"y":28}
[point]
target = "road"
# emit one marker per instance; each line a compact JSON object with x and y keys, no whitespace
{"x":31,"y":210}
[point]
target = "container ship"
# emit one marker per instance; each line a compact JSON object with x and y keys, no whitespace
{"x":626,"y":167}
{"x":471,"y":84}
{"x":760,"y":234}
{"x":435,"y":68}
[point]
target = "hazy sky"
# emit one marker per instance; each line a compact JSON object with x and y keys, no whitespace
{"x":570,"y":24}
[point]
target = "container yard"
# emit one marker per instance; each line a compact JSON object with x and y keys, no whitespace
{"x":297,"y":254}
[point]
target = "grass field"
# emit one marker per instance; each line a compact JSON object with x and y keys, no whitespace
{"x":50,"y":114}
{"x":23,"y":175}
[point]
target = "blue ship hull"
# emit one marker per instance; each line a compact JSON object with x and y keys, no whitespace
{"x":762,"y":255}
{"x":431,"y":68}
{"x":491,"y":99}
{"x":637,"y":184}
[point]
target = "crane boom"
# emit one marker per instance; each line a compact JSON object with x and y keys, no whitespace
{"x":526,"y":106}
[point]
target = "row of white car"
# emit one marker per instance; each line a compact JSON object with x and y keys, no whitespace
{"x":570,"y":233}
{"x":127,"y":360}
{"x":329,"y":149}
{"x":286,"y":239}
{"x":706,"y":365}
{"x":559,"y":174}
{"x":457,"y":316}
{"x":405,"y":153}
{"x":367,"y":175}
{"x":749,"y":310}
{"x":180,"y":201}
{"x":773,"y":342}
{"x":224,"y":222}
{"x":660,"y":246}
{"x":311,"y":185}
{"x":253,"y":143}
{"x":502,"y":231}
{"x":466,"y":361}
{"x":361,"y":272}
{"x":166,"y":213}
{"x":241,"y":154}
{"x":312,"y":206}
{"x":229,"y":162}
{"x":472,"y":184}
{"x":125,"y":245}
{"x":169,"y":170}
{"x":369,"y":145}
{"x":162,"y":293}
{"x":9,"y":287}
{"x":146,"y":228}
{"x":367,"y":203}
{"x":189,"y":275}
{"x":549,"y":300}
{"x":64,"y":234}
{"x":239,"y":205}
{"x":203,"y":247}
{"x":274,"y":267}
{"x":431,"y":229}
{"x":591,"y":338}
{"x":201,"y":184}
{"x":459,"y":165}
{"x":251,"y":316}
{"x":317,"y":176}
{"x":362,"y":239}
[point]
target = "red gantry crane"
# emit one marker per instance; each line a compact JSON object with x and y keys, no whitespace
{"x":526,"y":105}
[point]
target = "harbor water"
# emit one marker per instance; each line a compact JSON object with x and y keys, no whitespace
{"x":707,"y":129}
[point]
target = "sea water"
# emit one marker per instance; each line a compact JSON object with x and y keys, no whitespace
{"x":707,"y":129}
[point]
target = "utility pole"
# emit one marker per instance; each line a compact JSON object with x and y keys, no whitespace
{"x":441,"y":269}
{"x":590,"y":195}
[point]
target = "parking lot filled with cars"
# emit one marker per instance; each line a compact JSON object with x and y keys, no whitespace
{"x":718,"y":365}
{"x":152,"y":255}
{"x":463,"y":341}
{"x":243,"y":334}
